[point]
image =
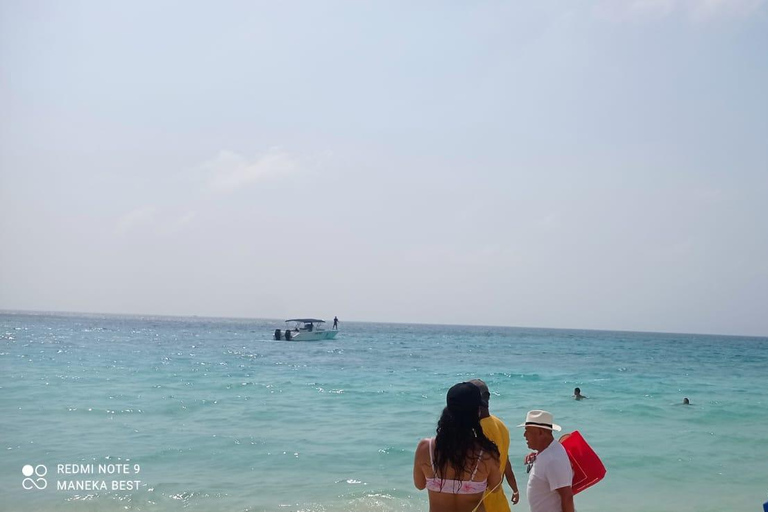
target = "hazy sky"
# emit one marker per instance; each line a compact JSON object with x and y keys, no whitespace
{"x":595,"y":164}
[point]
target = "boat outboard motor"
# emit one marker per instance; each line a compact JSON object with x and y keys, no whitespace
{"x":288,"y":335}
{"x":277,"y":334}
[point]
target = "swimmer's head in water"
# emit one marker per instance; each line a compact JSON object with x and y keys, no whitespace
{"x":686,"y":401}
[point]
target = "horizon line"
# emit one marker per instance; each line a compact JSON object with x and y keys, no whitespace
{"x":155,"y":315}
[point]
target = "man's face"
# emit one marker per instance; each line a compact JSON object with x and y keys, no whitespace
{"x":532,"y":436}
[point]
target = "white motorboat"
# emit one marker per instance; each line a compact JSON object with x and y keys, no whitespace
{"x":305,"y":329}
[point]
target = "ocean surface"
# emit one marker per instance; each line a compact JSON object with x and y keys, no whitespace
{"x":213,"y":415}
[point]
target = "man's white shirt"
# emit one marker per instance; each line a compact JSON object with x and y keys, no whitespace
{"x":551,"y":471}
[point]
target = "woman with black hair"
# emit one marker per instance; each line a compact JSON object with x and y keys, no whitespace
{"x":460,"y":464}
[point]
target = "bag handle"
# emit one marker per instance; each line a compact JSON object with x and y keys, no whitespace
{"x":486,"y":493}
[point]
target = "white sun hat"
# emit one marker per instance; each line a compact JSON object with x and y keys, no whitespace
{"x":540,"y":419}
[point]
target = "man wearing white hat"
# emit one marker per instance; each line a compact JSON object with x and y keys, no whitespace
{"x":550,"y":474}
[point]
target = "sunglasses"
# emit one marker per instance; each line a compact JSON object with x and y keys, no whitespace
{"x":529,"y":465}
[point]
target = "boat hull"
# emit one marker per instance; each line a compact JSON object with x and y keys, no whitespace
{"x":314,"y":335}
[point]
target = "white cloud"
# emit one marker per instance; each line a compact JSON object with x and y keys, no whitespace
{"x":620,"y":10}
{"x":549,"y":222}
{"x":178,"y":223}
{"x":679,"y":252}
{"x":696,"y":10}
{"x":229,"y":171}
{"x":710,"y":9}
{"x":140,"y":216}
{"x":185,"y":219}
{"x":161,"y":222}
{"x":708,"y":195}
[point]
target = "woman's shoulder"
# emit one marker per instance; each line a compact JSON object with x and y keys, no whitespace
{"x":423,"y":445}
{"x":487,"y":455}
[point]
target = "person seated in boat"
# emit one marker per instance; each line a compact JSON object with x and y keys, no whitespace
{"x":460,"y":464}
{"x":310,"y":326}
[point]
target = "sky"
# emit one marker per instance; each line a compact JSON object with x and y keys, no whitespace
{"x":596,"y":165}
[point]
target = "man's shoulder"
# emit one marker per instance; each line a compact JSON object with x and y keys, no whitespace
{"x":559,"y":448}
{"x":500,"y":423}
{"x":554,"y":465}
{"x":555,"y":453}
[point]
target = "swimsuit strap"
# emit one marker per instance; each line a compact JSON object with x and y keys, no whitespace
{"x":472,"y":477}
{"x":455,"y":482}
{"x":431,"y":458}
{"x":434,"y":469}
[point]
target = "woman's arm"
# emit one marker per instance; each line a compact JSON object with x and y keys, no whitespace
{"x":422,"y":451}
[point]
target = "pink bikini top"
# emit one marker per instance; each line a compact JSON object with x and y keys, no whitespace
{"x":436,"y":484}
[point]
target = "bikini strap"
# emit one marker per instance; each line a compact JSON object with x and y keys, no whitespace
{"x":472,"y":477}
{"x":432,"y":462}
{"x":431,"y":458}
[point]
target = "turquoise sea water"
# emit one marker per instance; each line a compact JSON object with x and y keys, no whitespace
{"x":217,"y":416}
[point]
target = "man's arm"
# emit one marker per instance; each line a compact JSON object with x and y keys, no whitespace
{"x":566,"y":498}
{"x":510,"y":475}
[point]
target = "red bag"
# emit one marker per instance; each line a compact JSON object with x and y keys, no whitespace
{"x":587,"y":467}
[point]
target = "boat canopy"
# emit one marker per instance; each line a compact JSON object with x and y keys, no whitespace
{"x":307,"y":320}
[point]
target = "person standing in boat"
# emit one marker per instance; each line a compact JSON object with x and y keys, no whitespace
{"x":336,"y":323}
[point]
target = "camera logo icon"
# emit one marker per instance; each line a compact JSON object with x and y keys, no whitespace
{"x":34,"y":477}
